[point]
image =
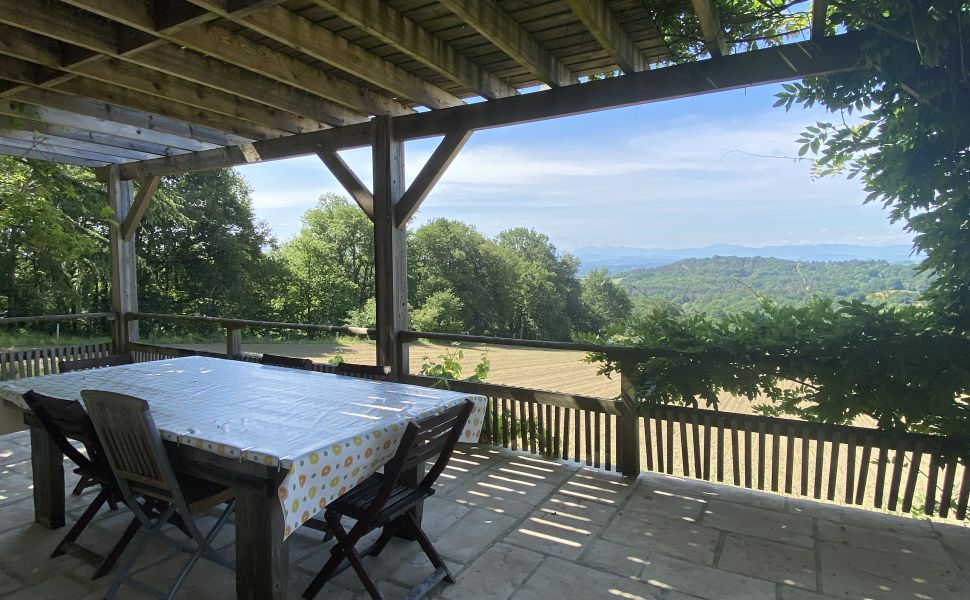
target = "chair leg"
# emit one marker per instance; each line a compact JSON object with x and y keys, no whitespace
{"x":147,"y":535}
{"x":355,"y":561}
{"x":81,"y":523}
{"x":429,"y":548}
{"x":337,"y":555}
{"x":119,"y":547}
{"x":82,"y":485}
{"x":386,"y":535}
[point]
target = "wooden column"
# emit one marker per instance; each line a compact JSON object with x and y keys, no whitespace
{"x":629,"y":450}
{"x":262,"y":559}
{"x":47,"y":463}
{"x":233,"y":341}
{"x":124,"y":281}
{"x":390,"y":248}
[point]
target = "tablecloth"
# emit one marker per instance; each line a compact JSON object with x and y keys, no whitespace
{"x":329,"y":432}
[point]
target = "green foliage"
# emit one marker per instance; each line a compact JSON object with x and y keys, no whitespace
{"x":726,"y":284}
{"x":909,"y":147}
{"x":450,"y":368}
{"x":836,"y":361}
{"x":604,"y":302}
{"x":441,"y":312}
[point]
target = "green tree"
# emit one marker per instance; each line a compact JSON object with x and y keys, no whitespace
{"x":910,"y":147}
{"x":440,"y":312}
{"x":343,"y":226}
{"x":605,"y":304}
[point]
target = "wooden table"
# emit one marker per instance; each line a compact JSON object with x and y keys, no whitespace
{"x":253,"y":428}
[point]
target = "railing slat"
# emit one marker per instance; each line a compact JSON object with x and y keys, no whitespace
{"x":946,"y":497}
{"x":819,"y":462}
{"x":860,"y":493}
{"x":696,"y":438}
{"x":647,"y":442}
{"x":834,"y":466}
{"x":747,"y":455}
{"x":898,"y":462}
{"x":762,"y":442}
{"x":670,"y":442}
{"x":964,"y":493}
{"x":806,"y":441}
{"x":849,"y":468}
{"x":708,"y":421}
{"x":684,"y":456}
{"x":775,"y":456}
{"x":790,"y":460}
{"x":720,"y":447}
{"x":735,"y":452}
{"x":658,"y":427}
{"x":929,"y":507}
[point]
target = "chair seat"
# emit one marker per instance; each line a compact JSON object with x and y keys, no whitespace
{"x":356,"y":502}
{"x":199,"y":494}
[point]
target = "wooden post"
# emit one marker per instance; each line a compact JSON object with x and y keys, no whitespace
{"x":124,"y":281}
{"x":47,"y":463}
{"x":233,"y":341}
{"x":390,"y":248}
{"x":629,"y":451}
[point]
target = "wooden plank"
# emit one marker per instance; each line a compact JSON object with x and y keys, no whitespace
{"x":899,"y":461}
{"x":735,"y":453}
{"x":658,"y":430}
{"x":669,"y":417}
{"x":647,"y":442}
{"x":47,"y":465}
{"x":515,"y":425}
{"x":850,"y":468}
{"x":608,"y":441}
{"x":708,"y":424}
{"x":507,"y":421}
{"x":577,"y":451}
{"x":430,"y":174}
{"x":556,"y":432}
{"x":628,"y":454}
{"x":589,"y":437}
{"x":964,"y":496}
{"x":762,"y":443}
{"x":747,"y":454}
{"x":34,"y":153}
{"x":946,"y":496}
{"x":13,"y":130}
{"x":290,"y":29}
{"x":929,"y":506}
{"x":510,"y":37}
{"x":710,"y":19}
{"x":911,"y":478}
{"x":684,"y":456}
{"x":262,"y":559}
{"x":597,"y":447}
{"x":819,"y":462}
{"x":349,"y":180}
{"x":790,"y":461}
{"x":139,"y":206}
{"x":720,"y":447}
{"x":532,"y":428}
{"x":609,"y":32}
{"x":696,"y":438}
{"x":860,"y":493}
{"x":834,"y":465}
{"x":775,"y":456}
{"x":819,"y":17}
{"x":390,"y":26}
{"x":881,"y":463}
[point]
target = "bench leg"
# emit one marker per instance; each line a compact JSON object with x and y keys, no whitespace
{"x":262,"y":558}
{"x":48,"y":474}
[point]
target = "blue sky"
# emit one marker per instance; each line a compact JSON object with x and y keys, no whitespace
{"x":669,"y":175}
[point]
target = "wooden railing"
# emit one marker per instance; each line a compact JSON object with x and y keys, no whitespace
{"x":30,"y":362}
{"x":849,"y":465}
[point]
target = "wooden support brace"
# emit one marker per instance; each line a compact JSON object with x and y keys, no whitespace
{"x":440,"y":160}
{"x":347,"y":178}
{"x":148,"y":187}
{"x":819,"y":16}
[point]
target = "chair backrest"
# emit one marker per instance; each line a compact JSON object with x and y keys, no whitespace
{"x":362,"y":371}
{"x":66,"y":420}
{"x":436,"y":435}
{"x":132,"y":444}
{"x":66,"y":366}
{"x":286,"y":361}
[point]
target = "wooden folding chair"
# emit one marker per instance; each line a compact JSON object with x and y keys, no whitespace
{"x":67,"y":366}
{"x":381,"y":502}
{"x":65,"y":420}
{"x":286,"y":361}
{"x":138,"y":459}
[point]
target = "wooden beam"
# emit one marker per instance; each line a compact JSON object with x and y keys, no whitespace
{"x":347,"y":178}
{"x":81,"y":113}
{"x":711,"y":28}
{"x":139,"y":206}
{"x":48,"y":156}
{"x":290,"y":29}
{"x":35,"y":126}
{"x":833,"y":54}
{"x":240,"y":51}
{"x":428,"y":177}
{"x":37,"y":137}
{"x":606,"y":28}
{"x":44,"y":146}
{"x":819,"y":17}
{"x":496,"y":26}
{"x":382,"y":21}
{"x":31,"y":47}
{"x":99,"y":37}
{"x":124,"y":276}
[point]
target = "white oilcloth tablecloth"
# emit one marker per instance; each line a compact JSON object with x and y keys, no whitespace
{"x":329,"y":432}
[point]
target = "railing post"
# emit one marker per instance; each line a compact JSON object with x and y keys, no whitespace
{"x":233,"y":341}
{"x":629,"y":446}
{"x":124,"y":281}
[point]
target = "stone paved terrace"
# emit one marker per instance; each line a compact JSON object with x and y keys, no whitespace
{"x":515,"y":526}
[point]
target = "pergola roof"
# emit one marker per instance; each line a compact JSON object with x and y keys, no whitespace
{"x":140,"y":82}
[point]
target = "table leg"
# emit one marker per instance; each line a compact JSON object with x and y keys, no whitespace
{"x":412,"y":477}
{"x":48,"y":475}
{"x":262,"y":557}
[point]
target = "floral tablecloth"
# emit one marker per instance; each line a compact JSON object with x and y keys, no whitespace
{"x":329,"y":432}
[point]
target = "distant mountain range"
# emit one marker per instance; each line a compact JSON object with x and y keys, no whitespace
{"x":621,"y":258}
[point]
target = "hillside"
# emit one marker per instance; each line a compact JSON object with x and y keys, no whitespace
{"x":730,"y":283}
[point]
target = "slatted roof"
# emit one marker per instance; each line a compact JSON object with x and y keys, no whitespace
{"x":98,"y":82}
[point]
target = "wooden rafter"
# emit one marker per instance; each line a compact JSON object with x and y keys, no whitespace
{"x":44,"y":146}
{"x":606,"y":28}
{"x":782,"y":63}
{"x":710,"y":18}
{"x":819,"y":17}
{"x":240,"y":51}
{"x":290,"y":29}
{"x":65,"y":142}
{"x":98,"y":38}
{"x":34,"y":126}
{"x":138,"y":207}
{"x":390,"y":26}
{"x":428,"y":177}
{"x":505,"y":32}
{"x":349,"y":180}
{"x":7,"y":150}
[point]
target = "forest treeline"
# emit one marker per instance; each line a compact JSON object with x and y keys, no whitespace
{"x":202,"y":251}
{"x":727,"y":284}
